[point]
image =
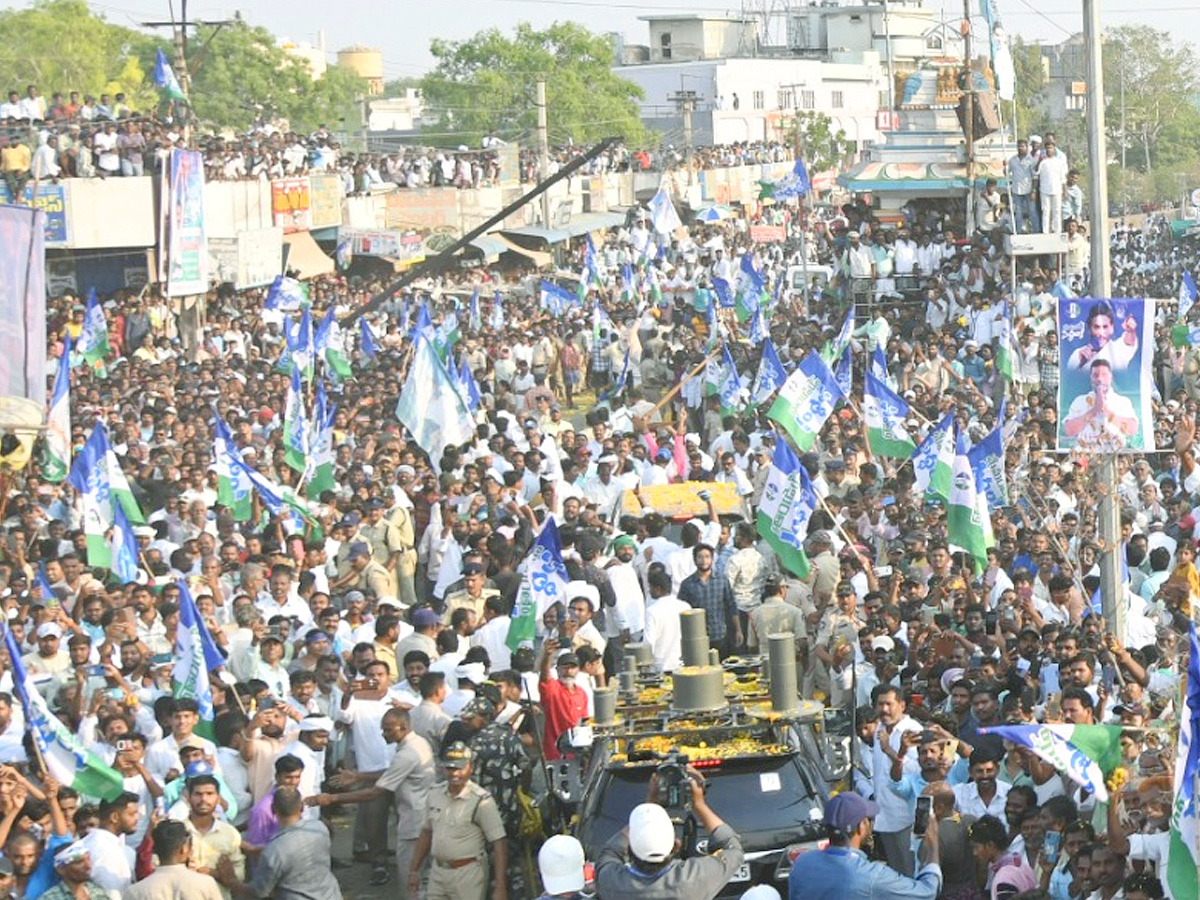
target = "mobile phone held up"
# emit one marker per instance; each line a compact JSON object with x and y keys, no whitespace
{"x":921,"y":818}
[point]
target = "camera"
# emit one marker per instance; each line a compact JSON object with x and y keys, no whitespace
{"x":674,"y":783}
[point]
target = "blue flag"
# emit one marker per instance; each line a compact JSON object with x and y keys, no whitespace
{"x":794,"y":184}
{"x":843,"y":371}
{"x":470,"y":387}
{"x":758,"y":332}
{"x":987,"y":462}
{"x":544,"y":584}
{"x":806,"y":400}
{"x":724,"y":293}
{"x":731,"y":384}
{"x":474,"y":316}
{"x":619,"y":386}
{"x":164,"y":77}
{"x":770,"y":377}
{"x":497,"y":321}
{"x":1187,"y":295}
{"x":367,"y":342}
{"x":1183,"y":851}
{"x":555,"y":299}
{"x":286,"y":294}
{"x":123,"y":547}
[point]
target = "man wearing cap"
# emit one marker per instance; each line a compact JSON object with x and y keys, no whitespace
{"x":368,"y":575}
{"x":472,"y":596}
{"x":560,"y":863}
{"x":462,"y":822}
{"x":563,"y":701}
{"x":774,"y":615}
{"x":640,"y":863}
{"x":309,"y":748}
{"x":50,"y":658}
{"x":842,"y":869}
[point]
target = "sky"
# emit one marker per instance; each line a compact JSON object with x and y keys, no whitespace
{"x":402,"y":29}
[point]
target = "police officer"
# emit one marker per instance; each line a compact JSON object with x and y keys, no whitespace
{"x":472,"y":596}
{"x":461,"y":822}
{"x":502,"y":766}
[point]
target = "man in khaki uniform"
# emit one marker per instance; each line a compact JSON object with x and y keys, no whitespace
{"x":400,"y":520}
{"x":776,"y":616}
{"x":472,"y":596}
{"x":372,"y":578}
{"x":834,"y":645}
{"x":461,"y":822}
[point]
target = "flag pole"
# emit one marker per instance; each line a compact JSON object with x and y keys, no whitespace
{"x":670,"y":395}
{"x":842,"y":531}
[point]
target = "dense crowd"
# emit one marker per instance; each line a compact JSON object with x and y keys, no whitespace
{"x":365,"y":663}
{"x":74,"y":136}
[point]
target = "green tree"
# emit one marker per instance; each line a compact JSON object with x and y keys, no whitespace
{"x":486,"y":84}
{"x":821,"y":147}
{"x":239,"y":73}
{"x":60,"y":45}
{"x":1159,"y":78}
{"x":1031,"y":82}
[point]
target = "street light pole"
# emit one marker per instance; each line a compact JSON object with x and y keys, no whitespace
{"x":1112,"y":606}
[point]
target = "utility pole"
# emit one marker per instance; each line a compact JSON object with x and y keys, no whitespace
{"x":543,"y":150}
{"x":685,"y":105}
{"x":1110,"y":524}
{"x":969,"y":88}
{"x":179,"y":32}
{"x":891,"y":65}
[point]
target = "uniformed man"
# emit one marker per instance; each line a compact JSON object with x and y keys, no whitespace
{"x":461,"y":822}
{"x":372,"y":577}
{"x":472,"y":596}
{"x":381,"y":535}
{"x":502,"y":767}
{"x":834,"y":645}
{"x":776,"y":616}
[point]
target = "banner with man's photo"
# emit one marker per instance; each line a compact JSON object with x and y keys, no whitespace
{"x":1106,"y":351}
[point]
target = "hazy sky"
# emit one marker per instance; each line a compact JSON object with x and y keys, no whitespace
{"x":402,"y":29}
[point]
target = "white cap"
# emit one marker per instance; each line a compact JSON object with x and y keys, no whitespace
{"x":475,"y":672}
{"x":883,"y":643}
{"x":49,"y":629}
{"x":316,"y":723}
{"x":561,"y":863}
{"x":651,"y":834}
{"x":582,"y":589}
{"x":761,"y":892}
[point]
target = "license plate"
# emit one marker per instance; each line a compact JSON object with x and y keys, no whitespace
{"x":742,"y":873}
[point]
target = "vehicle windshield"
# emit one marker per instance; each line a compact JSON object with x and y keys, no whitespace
{"x":768,"y":801}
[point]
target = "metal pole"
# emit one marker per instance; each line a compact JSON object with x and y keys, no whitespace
{"x":969,"y":87}
{"x":543,"y":150}
{"x":1110,"y":521}
{"x":797,"y":151}
{"x":891,"y":65}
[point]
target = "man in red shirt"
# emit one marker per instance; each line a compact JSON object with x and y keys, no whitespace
{"x":563,"y":702}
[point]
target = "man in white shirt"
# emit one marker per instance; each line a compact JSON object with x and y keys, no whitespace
{"x":1052,"y":182}
{"x":163,"y":755}
{"x":492,"y":635}
{"x":663,"y":630}
{"x":983,"y":795}
{"x":893,"y":824}
{"x":309,"y":748}
{"x":112,"y":858}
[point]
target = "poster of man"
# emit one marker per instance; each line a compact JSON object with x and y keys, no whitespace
{"x":1104,"y":392}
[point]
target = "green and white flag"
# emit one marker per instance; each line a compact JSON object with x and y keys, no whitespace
{"x":1183,"y":851}
{"x":331,"y":345}
{"x":67,"y":758}
{"x":1004,"y":343}
{"x":968,"y":521}
{"x":93,"y":338}
{"x":318,"y":476}
{"x":121,"y":492}
{"x":884,"y":411}
{"x":58,"y":420}
{"x":788,"y":502}
{"x":189,"y":676}
{"x":544,"y":584}
{"x":933,"y":463}
{"x":806,"y":400}
{"x":234,"y":489}
{"x":295,"y":425}
{"x":89,"y":476}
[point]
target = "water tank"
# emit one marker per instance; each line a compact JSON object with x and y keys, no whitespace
{"x":366,"y":62}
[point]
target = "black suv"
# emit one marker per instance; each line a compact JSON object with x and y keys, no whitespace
{"x":774,"y":801}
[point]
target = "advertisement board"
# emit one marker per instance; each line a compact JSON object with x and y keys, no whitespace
{"x":187,"y":253}
{"x":291,"y":204}
{"x":324,"y":201}
{"x":51,"y":200}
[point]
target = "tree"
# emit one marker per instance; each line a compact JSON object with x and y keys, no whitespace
{"x":60,"y":45}
{"x":239,"y":74}
{"x":1159,"y":78}
{"x":821,"y":147}
{"x":486,"y":84}
{"x":1031,"y":82}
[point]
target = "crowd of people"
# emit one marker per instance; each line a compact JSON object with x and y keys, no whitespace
{"x":80,"y":136}
{"x":366,"y":666}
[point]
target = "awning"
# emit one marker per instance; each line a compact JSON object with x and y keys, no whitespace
{"x":579,"y":224}
{"x":492,"y":245}
{"x":305,"y":257}
{"x":402,"y":265}
{"x":947,"y":177}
